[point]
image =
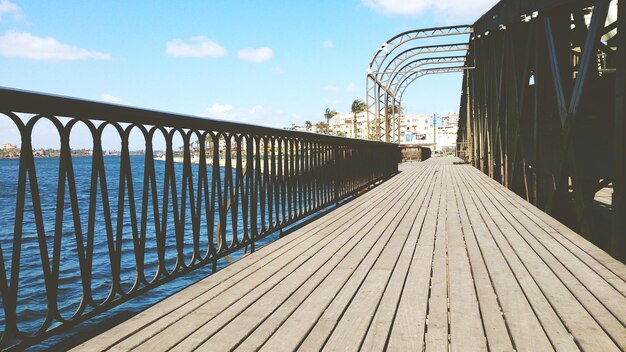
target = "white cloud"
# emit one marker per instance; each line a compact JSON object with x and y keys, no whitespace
{"x":331,"y":89}
{"x":279,"y":70}
{"x":257,"y":114}
{"x":255,"y":55}
{"x":109,"y":98}
{"x":448,"y":10}
{"x":328,"y":44}
{"x":255,"y":109}
{"x":26,"y":45}
{"x":398,"y":7}
{"x":219,"y":111}
{"x":198,"y":46}
{"x":7,"y":7}
{"x":351,"y":88}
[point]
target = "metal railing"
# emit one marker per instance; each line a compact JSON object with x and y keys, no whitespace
{"x":134,"y":222}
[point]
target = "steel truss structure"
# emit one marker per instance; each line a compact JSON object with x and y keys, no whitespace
{"x":389,"y":73}
{"x":543,"y":111}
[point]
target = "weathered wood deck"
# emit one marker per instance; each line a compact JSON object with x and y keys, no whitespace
{"x":438,"y":257}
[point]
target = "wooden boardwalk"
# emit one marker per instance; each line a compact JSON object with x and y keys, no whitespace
{"x":439,"y":257}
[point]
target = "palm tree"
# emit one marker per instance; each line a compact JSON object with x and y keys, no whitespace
{"x":308,"y":125}
{"x":321,"y":126}
{"x":358,"y":106}
{"x":392,"y":110}
{"x":329,"y":114}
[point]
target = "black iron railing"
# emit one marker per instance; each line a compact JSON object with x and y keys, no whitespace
{"x":134,"y":220}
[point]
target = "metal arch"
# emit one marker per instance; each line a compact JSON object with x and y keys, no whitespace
{"x":390,"y":45}
{"x":409,"y":69}
{"x":392,"y":130}
{"x":419,"y":50}
{"x":413,"y":65}
{"x":384,"y":99}
{"x":373,"y":79}
{"x":413,"y":52}
{"x":386,"y":90}
{"x":421,"y":73}
{"x":375,"y":87}
{"x":406,"y":55}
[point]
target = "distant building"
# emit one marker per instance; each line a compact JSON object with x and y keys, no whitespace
{"x":415,"y":129}
{"x":9,"y":146}
{"x":295,"y":127}
{"x":343,"y":125}
{"x":82,"y":152}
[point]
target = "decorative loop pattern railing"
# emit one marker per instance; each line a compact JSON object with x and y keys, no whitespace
{"x":132,"y":221}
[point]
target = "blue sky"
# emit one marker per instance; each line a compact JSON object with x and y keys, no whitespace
{"x":265,"y":62}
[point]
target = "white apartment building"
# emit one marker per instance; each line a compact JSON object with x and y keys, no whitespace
{"x":343,"y":125}
{"x":414,"y":128}
{"x":421,"y":129}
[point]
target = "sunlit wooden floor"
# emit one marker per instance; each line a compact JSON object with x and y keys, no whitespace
{"x":439,"y":257}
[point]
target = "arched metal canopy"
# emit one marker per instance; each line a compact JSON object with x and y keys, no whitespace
{"x":383,"y":83}
{"x":414,"y":67}
{"x":394,"y":100}
{"x":396,"y":41}
{"x":391,"y":100}
{"x":410,"y":78}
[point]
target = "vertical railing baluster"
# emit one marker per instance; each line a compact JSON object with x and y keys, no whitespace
{"x":162,"y":236}
{"x":119,"y":228}
{"x":250,"y":197}
{"x":282,"y":173}
{"x":195,"y":203}
{"x":266,"y":190}
{"x":298,"y":177}
{"x":203,"y":193}
{"x":216,"y":196}
{"x":132,"y":209}
{"x":140,"y":247}
{"x":235,"y":191}
{"x":178,"y":206}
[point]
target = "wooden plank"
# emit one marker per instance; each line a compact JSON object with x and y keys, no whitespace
{"x":560,"y":337}
{"x":293,"y":290}
{"x":317,"y":316}
{"x":606,"y":266}
{"x":439,"y":258}
{"x":437,"y":328}
{"x":170,"y":329}
{"x":493,"y":321}
{"x":380,"y":327}
{"x":566,"y":299}
{"x":190,"y":298}
{"x":354,"y":324}
{"x":409,"y":325}
{"x":524,"y":327}
{"x":466,"y":328}
{"x":192,"y":329}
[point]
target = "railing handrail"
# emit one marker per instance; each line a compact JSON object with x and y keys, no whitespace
{"x":168,"y":220}
{"x":24,"y":101}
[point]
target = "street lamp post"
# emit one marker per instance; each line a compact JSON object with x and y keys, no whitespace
{"x":435,"y":131}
